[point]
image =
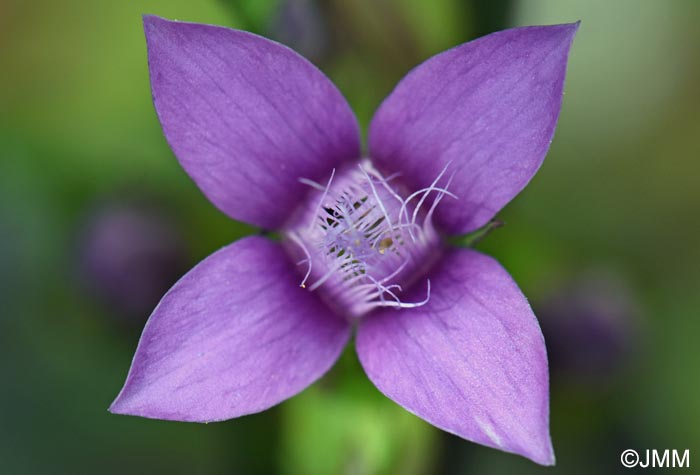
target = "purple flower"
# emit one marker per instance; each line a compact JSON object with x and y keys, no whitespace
{"x":130,"y":253}
{"x":443,"y":331}
{"x":591,"y":323}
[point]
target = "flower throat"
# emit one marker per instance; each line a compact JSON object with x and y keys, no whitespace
{"x":360,"y":240}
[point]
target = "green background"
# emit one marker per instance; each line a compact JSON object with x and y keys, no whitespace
{"x":617,"y":200}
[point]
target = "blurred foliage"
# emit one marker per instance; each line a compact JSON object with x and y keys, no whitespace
{"x":619,"y":192}
{"x":347,"y":429}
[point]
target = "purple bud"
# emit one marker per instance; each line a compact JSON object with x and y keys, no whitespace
{"x":299,"y":24}
{"x":130,"y":254}
{"x":589,"y":325}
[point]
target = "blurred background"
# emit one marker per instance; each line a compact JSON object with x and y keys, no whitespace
{"x":97,"y":220}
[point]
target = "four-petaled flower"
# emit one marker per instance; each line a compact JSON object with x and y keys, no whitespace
{"x":443,"y":331}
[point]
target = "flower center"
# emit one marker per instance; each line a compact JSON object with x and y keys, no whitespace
{"x":361,"y":239}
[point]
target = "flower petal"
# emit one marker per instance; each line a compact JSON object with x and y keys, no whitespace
{"x":472,"y":361}
{"x":486,"y":110}
{"x":234,"y":336}
{"x":246,"y":117}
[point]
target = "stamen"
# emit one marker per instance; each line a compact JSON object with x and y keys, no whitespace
{"x":410,"y":305}
{"x":300,"y":243}
{"x":374,"y":192}
{"x":323,"y":196}
{"x":427,"y":190}
{"x":326,"y":276}
{"x":312,"y":184}
{"x":438,"y":198}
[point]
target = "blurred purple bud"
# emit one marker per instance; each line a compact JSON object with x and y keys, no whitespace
{"x":590,"y":325}
{"x":299,"y":25}
{"x":130,"y":254}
